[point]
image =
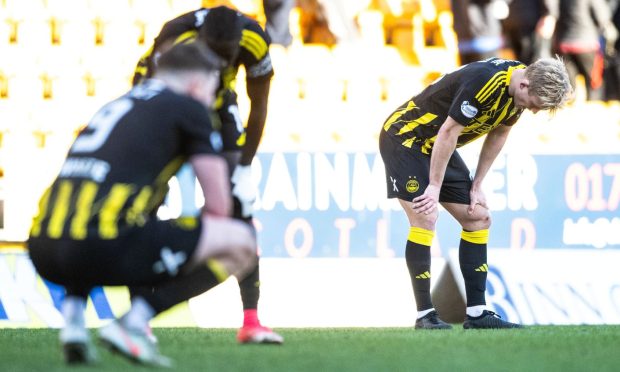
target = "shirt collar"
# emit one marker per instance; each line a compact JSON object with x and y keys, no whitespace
{"x":510,"y":71}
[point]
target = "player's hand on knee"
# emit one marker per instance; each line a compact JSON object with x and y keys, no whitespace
{"x":428,"y":201}
{"x":244,"y":188}
{"x":477,"y":198}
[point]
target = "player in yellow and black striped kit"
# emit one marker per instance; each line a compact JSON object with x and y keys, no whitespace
{"x":96,"y":223}
{"x":240,"y":41}
{"x":418,"y":145}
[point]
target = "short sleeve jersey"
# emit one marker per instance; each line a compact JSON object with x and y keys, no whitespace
{"x":253,"y":48}
{"x":117,"y":171}
{"x":476,"y":96}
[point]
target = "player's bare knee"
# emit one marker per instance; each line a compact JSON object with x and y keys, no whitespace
{"x":431,"y":219}
{"x":479,"y":220}
{"x":426,"y":221}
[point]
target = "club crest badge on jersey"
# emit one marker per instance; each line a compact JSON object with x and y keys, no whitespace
{"x":468,"y":110}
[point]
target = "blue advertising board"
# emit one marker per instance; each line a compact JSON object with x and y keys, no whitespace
{"x":334,"y":205}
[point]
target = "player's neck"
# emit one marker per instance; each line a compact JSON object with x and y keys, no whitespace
{"x":515,"y":80}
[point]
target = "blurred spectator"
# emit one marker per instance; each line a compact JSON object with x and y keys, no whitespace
{"x":580,"y":25}
{"x":331,"y":21}
{"x":314,"y":24}
{"x":341,"y":17}
{"x":478,"y":29}
{"x":611,"y":74}
{"x":529,"y":29}
{"x":277,"y":20}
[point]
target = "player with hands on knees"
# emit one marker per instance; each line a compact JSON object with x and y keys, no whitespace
{"x":418,"y":145}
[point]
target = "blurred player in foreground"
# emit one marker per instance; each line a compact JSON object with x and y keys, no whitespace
{"x":418,"y":145}
{"x":95,"y":224}
{"x":240,"y":41}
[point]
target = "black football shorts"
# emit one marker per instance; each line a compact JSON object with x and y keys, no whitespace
{"x":144,"y":255}
{"x":407,"y":173}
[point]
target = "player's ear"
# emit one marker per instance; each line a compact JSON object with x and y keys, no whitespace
{"x":525,"y":83}
{"x":195,"y":89}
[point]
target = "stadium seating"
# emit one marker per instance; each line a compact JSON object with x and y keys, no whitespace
{"x":5,"y":29}
{"x":310,"y":67}
{"x":435,"y":58}
{"x":84,"y":53}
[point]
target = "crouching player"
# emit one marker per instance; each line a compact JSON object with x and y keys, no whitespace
{"x":95,"y":224}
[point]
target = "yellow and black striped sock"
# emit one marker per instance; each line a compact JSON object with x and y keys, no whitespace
{"x":473,"y":263}
{"x":418,"y":257}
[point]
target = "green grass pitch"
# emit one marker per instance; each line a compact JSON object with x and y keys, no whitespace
{"x":536,"y":348}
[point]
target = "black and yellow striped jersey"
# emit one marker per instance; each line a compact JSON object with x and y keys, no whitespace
{"x":475,"y":95}
{"x":117,"y":171}
{"x":253,"y":49}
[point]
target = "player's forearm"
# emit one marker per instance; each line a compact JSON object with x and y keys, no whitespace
{"x":258,"y":92}
{"x":212,"y":174}
{"x":492,"y":146}
{"x":442,"y":151}
{"x":444,"y":147}
{"x":253,"y":133}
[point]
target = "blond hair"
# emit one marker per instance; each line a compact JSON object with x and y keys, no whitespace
{"x":549,"y":81}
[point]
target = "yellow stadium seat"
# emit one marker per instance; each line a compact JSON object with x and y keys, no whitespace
{"x":60,"y":120}
{"x":370,"y":24}
{"x":6,"y":29}
{"x":62,"y":68}
{"x":107,"y":71}
{"x":111,"y":10}
{"x":152,"y":11}
{"x":355,"y":67}
{"x":59,"y":61}
{"x":107,"y":62}
{"x":17,"y":61}
{"x":4,"y":83}
{"x":110,"y":88}
{"x":436,"y":58}
{"x":24,"y":87}
{"x":283,"y":85}
{"x":11,"y":115}
{"x":124,"y":34}
{"x":399,"y":80}
{"x":17,"y":144}
{"x":150,"y":30}
{"x":76,"y":34}
{"x":70,"y":88}
{"x":150,"y":16}
{"x":311,"y":67}
{"x":70,"y":10}
{"x":25,"y":9}
{"x":34,"y":33}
